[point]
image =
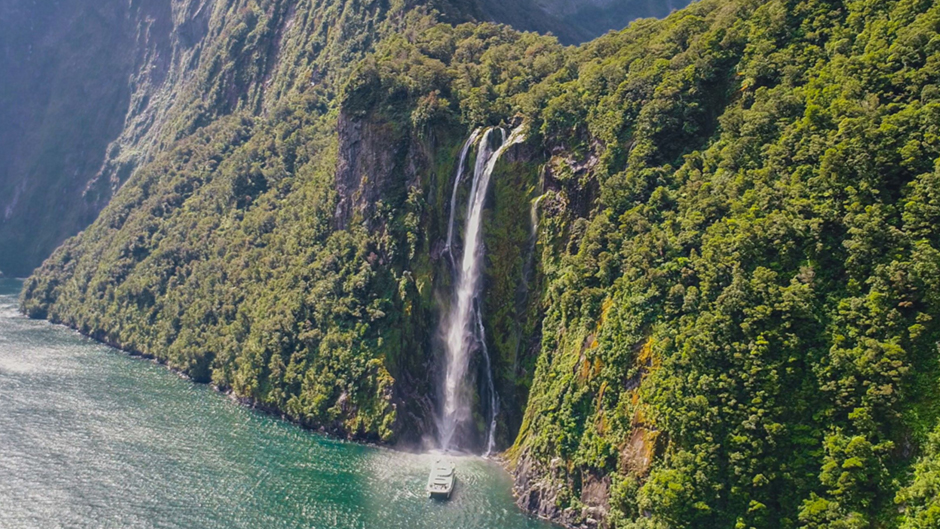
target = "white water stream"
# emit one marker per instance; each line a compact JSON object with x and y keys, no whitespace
{"x":449,"y":246}
{"x":462,"y":328}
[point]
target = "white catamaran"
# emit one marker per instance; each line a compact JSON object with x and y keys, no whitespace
{"x":442,"y":479}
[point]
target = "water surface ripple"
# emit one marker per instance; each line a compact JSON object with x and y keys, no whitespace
{"x":92,"y":438}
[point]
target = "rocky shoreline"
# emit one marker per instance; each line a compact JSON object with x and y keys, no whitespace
{"x":538,"y":489}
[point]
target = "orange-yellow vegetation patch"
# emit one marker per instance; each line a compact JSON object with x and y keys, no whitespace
{"x":637,"y":454}
{"x":645,"y":357}
{"x":639,"y":416}
{"x":585,"y":368}
{"x":605,"y":309}
{"x":601,"y":424}
{"x":647,"y":361}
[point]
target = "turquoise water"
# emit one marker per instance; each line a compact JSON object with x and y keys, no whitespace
{"x":90,"y":437}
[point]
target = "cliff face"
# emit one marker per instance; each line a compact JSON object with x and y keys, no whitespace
{"x":63,"y":98}
{"x":710,"y":276}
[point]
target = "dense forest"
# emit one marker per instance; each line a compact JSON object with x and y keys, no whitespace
{"x":712,"y":266}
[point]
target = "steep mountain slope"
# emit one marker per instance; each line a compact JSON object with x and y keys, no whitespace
{"x":188,"y":62}
{"x":711,"y":273}
{"x":63,"y":97}
{"x":94,"y":89}
{"x":743,"y":335}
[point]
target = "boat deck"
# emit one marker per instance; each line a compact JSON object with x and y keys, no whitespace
{"x":441,"y":480}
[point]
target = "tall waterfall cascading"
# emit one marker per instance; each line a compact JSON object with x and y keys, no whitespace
{"x":462,"y":328}
{"x":464,"y":151}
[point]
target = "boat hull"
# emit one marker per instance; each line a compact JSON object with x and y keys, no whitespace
{"x":441,"y":495}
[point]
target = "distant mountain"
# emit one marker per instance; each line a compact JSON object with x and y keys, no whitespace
{"x":68,"y":69}
{"x":576,"y":21}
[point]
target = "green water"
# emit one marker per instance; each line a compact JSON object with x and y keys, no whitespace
{"x":90,"y":437}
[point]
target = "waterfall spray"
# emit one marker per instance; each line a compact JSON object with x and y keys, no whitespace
{"x":462,"y":328}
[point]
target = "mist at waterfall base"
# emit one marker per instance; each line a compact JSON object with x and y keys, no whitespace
{"x":462,"y":330}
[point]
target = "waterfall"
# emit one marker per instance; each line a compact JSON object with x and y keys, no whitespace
{"x":533,"y":242}
{"x":462,"y":328}
{"x":449,"y":245}
{"x":490,"y":387}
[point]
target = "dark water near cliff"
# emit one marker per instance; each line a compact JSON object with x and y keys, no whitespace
{"x":90,"y":437}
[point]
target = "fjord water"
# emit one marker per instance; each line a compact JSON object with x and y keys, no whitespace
{"x":90,"y":437}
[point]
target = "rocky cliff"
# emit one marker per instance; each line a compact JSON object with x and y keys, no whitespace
{"x":64,"y":96}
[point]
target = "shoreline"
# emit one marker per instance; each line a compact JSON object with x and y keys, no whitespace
{"x":248,"y":402}
{"x":499,"y":459}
